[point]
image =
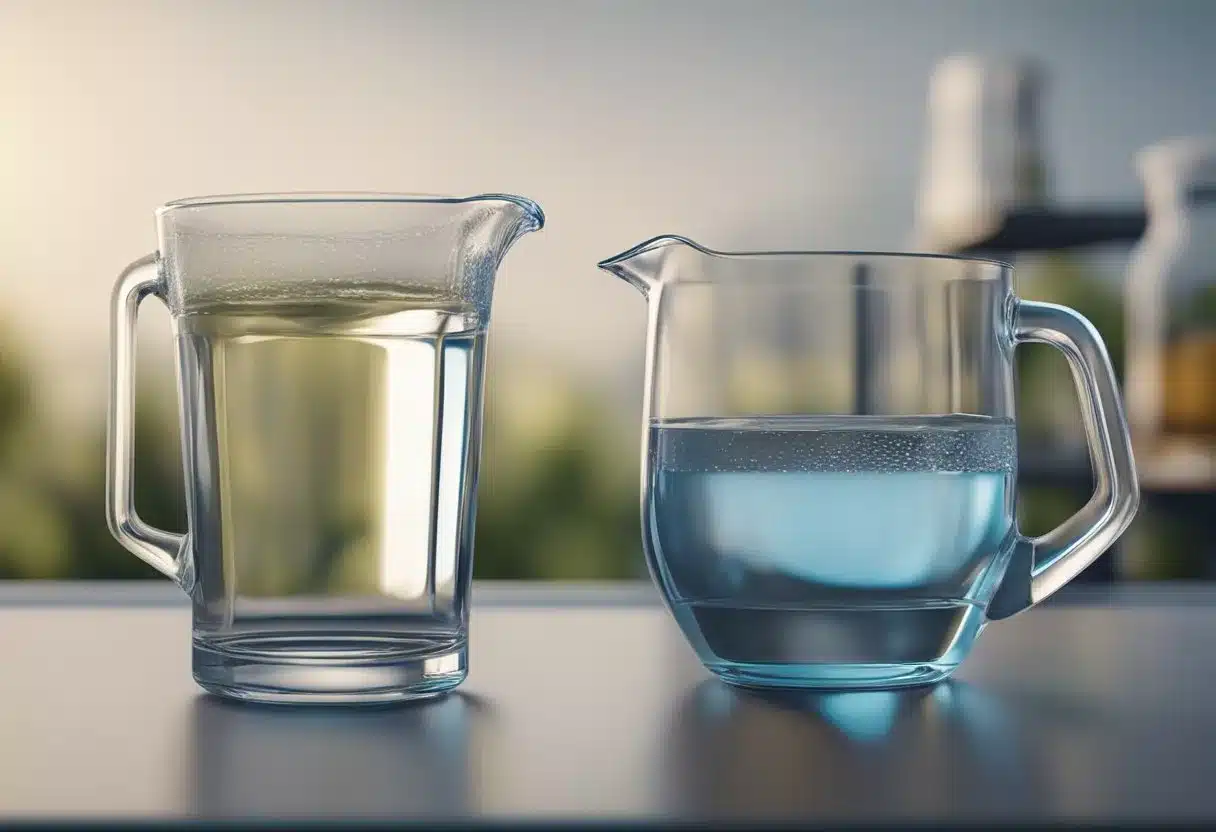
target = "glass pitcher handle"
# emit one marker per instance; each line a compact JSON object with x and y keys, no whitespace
{"x":160,"y":549}
{"x":1041,"y":565}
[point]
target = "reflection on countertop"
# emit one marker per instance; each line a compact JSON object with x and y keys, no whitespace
{"x":923,"y":753}
{"x":959,"y":751}
{"x":270,"y":762}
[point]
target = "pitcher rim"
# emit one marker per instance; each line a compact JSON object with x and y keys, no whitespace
{"x":654,"y":242}
{"x":347,"y":197}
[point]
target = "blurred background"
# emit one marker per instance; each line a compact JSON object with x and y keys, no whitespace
{"x":1006,"y":127}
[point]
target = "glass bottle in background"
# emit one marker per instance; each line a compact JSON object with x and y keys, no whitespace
{"x":1170,"y":385}
{"x":1171,"y":317}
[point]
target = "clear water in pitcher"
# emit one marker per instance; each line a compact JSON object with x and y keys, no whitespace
{"x":331,"y":454}
{"x":841,"y":550}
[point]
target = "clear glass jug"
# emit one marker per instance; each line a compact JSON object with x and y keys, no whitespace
{"x":330,"y":351}
{"x":830,"y":458}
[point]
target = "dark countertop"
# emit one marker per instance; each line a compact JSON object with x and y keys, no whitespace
{"x":584,"y":703}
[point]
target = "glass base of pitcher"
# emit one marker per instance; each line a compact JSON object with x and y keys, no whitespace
{"x":329,"y":668}
{"x":871,"y":646}
{"x":829,"y":677}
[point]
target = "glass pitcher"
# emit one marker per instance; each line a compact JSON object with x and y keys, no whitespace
{"x":830,"y":458}
{"x":330,"y":351}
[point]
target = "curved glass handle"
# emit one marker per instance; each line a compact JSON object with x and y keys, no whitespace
{"x":1057,"y":557}
{"x":160,"y":549}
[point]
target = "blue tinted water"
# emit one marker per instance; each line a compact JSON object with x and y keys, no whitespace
{"x":831,"y":550}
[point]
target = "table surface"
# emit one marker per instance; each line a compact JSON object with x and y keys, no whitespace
{"x":584,"y":703}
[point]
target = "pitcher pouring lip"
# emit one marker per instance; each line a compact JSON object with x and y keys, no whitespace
{"x":516,"y":215}
{"x":661,"y":241}
{"x":643,"y":266}
{"x":317,"y":243}
{"x":286,"y":197}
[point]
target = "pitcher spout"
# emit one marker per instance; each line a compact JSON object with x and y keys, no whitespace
{"x":644,"y":265}
{"x":496,"y":221}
